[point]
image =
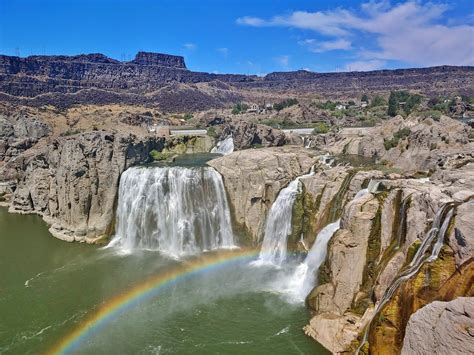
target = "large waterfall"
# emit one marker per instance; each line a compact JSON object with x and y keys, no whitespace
{"x":175,"y":210}
{"x":278,"y":225}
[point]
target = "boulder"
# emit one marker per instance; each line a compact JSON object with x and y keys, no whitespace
{"x":441,"y":328}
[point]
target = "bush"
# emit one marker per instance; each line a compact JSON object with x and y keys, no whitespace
{"x":285,"y":103}
{"x":157,"y":156}
{"x":321,"y":128}
{"x":393,"y":142}
{"x":365,"y":98}
{"x":211,"y":132}
{"x":378,"y":101}
{"x":239,"y":108}
{"x":187,"y":116}
{"x":328,"y":105}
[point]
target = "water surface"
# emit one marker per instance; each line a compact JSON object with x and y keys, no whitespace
{"x":49,"y":287}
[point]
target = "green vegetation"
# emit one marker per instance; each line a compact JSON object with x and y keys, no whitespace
{"x":378,"y":101}
{"x":187,"y":116}
{"x":402,"y":100}
{"x":284,"y":104}
{"x":159,"y":156}
{"x":70,"y":132}
{"x":321,"y":127}
{"x":211,"y":132}
{"x":327,"y":105}
{"x":393,"y":142}
{"x":239,"y":108}
{"x":365,"y":98}
{"x":434,"y":114}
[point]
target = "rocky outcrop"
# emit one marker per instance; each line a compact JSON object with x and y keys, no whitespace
{"x":254,"y":177}
{"x":412,"y":143}
{"x":73,"y":181}
{"x":441,"y":328}
{"x":379,"y":233}
{"x":249,"y":134}
{"x":20,"y":132}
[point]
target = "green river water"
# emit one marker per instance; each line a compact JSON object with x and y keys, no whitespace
{"x":49,"y":287}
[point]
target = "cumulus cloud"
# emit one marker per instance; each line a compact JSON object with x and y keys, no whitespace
{"x":325,"y":46}
{"x":364,"y":65}
{"x":411,"y":31}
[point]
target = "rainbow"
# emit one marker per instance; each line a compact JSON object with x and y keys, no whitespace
{"x":147,"y":290}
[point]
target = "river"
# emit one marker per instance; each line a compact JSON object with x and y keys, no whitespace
{"x":51,"y":290}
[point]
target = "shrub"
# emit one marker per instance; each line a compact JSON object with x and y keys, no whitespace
{"x":157,"y":156}
{"x":239,"y":108}
{"x":285,"y":103}
{"x":211,"y":132}
{"x":320,"y":128}
{"x":393,"y":142}
{"x":378,"y":101}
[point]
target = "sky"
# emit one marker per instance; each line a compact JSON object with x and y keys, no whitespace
{"x":248,"y":36}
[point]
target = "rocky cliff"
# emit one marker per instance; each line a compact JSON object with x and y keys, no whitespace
{"x":64,"y":81}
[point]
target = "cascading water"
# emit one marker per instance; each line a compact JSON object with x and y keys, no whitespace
{"x":224,"y":147}
{"x":175,"y":210}
{"x":304,"y":278}
{"x":278,"y":226}
{"x":438,"y":231}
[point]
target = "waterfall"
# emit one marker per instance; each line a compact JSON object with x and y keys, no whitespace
{"x":304,"y":278}
{"x":278,"y":225}
{"x":175,"y":210}
{"x":224,"y":147}
{"x":438,"y":231}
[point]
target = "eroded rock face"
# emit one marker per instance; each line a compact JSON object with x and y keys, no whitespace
{"x":249,"y":134}
{"x":73,"y":182}
{"x":254,"y":177}
{"x":19,"y":133}
{"x":441,"y":328}
{"x":408,"y":144}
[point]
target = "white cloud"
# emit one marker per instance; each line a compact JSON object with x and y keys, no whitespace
{"x":325,"y":46}
{"x":366,"y":65}
{"x":224,"y":51}
{"x":283,"y":60}
{"x":413,"y":32}
{"x":190,"y":46}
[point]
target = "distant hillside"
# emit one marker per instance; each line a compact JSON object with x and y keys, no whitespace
{"x":163,"y":80}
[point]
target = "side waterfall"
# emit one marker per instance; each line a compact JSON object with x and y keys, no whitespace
{"x":175,"y":210}
{"x":278,"y":225}
{"x":304,"y":278}
{"x":224,"y":147}
{"x":437,"y":234}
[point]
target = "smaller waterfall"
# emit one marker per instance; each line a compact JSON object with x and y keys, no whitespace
{"x":278,"y":225}
{"x":305,"y":277}
{"x":224,"y":147}
{"x":175,"y":210}
{"x":372,"y":188}
{"x":438,"y":232}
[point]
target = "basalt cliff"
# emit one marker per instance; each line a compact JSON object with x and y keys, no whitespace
{"x":161,"y":80}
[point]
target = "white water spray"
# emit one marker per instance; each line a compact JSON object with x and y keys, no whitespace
{"x":175,"y":210}
{"x":300,"y":283}
{"x":278,"y":225}
{"x":224,"y":147}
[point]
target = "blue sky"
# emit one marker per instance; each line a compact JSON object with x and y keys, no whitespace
{"x":248,"y":36}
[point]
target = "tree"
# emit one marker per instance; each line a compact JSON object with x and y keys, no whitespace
{"x":392,"y":105}
{"x":365,"y":98}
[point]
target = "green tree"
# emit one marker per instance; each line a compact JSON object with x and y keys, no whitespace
{"x":365,"y":98}
{"x":392,"y":105}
